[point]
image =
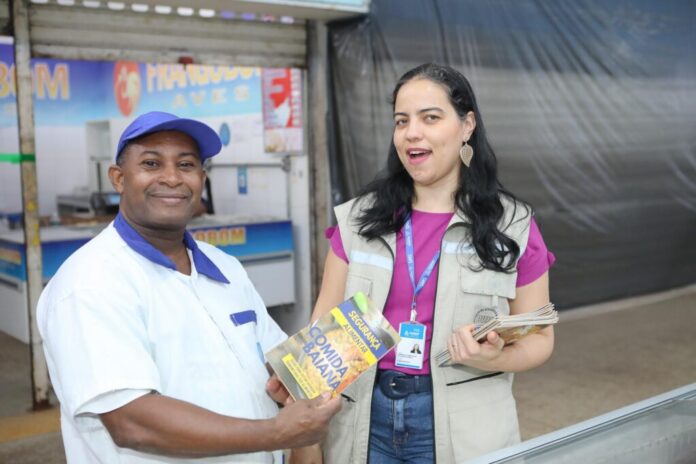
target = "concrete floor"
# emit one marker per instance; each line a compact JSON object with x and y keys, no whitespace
{"x":15,"y":383}
{"x":607,"y":356}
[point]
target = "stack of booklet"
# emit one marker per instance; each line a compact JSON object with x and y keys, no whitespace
{"x":510,"y":328}
{"x":331,"y":353}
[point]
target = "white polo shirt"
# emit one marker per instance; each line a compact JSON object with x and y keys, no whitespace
{"x":118,"y":321}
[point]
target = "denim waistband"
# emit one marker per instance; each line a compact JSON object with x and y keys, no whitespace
{"x":397,"y":385}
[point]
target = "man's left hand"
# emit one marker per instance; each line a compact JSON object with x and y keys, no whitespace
{"x":277,"y":391}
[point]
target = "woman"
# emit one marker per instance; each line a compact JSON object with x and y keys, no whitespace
{"x":475,"y":252}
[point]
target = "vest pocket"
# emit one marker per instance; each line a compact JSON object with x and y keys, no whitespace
{"x":355,"y":284}
{"x":487,"y":282}
{"x":338,"y":444}
{"x":482,"y":417}
{"x":479,"y":297}
{"x":459,"y":374}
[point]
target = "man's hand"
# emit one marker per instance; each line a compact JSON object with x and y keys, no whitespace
{"x":159,"y":424}
{"x":277,"y":391}
{"x":305,"y":422}
{"x":307,"y":455}
{"x":465,"y":350}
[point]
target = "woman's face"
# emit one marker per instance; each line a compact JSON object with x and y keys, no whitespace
{"x":428,"y":134}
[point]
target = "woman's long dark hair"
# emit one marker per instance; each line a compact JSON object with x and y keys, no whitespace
{"x":479,"y":192}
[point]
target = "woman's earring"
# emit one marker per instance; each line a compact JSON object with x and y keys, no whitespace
{"x":466,"y":153}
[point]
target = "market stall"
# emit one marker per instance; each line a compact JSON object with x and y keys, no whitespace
{"x":254,"y":71}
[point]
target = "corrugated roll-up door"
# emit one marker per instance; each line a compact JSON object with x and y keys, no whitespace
{"x":81,"y":33}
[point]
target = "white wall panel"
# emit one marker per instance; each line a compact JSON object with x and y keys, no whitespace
{"x":10,"y":176}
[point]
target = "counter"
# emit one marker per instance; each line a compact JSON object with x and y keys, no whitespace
{"x":264,"y":245}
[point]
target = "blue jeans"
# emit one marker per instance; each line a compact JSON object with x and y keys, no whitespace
{"x":401,"y":431}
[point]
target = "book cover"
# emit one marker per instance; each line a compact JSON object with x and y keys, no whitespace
{"x":333,"y":351}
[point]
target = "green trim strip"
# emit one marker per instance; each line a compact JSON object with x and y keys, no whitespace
{"x":16,"y":158}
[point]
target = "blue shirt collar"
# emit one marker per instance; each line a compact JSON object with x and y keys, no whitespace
{"x":136,"y":241}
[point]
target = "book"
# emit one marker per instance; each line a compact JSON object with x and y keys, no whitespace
{"x":509,"y":328}
{"x":331,"y":353}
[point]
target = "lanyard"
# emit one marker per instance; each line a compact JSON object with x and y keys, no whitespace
{"x":410,"y":261}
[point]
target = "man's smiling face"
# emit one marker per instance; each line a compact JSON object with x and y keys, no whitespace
{"x":160,"y":178}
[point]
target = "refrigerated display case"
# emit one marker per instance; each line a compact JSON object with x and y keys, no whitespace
{"x":263,"y":244}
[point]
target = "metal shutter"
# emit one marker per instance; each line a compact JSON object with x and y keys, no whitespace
{"x":4,"y":16}
{"x":81,"y":33}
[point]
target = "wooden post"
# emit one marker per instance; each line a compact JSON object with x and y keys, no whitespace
{"x":320,"y":192}
{"x":30,"y":198}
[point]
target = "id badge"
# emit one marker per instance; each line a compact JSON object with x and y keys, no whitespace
{"x":409,"y":351}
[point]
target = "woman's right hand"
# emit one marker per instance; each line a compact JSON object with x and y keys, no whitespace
{"x":306,"y":455}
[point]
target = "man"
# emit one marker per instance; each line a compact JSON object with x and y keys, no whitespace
{"x":154,"y":341}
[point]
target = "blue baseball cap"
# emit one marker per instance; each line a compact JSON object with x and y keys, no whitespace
{"x":207,"y":139}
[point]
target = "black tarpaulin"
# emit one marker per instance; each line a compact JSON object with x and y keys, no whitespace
{"x":590,"y":107}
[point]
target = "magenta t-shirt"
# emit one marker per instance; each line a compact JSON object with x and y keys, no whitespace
{"x":428,"y":230}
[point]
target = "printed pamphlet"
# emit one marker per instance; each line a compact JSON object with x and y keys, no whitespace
{"x":510,"y":328}
{"x":329,"y":354}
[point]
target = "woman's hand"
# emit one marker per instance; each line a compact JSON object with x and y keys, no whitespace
{"x":306,"y":455}
{"x":481,"y":355}
{"x":527,"y":353}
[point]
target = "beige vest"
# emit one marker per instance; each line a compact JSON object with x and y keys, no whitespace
{"x":474,"y":411}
